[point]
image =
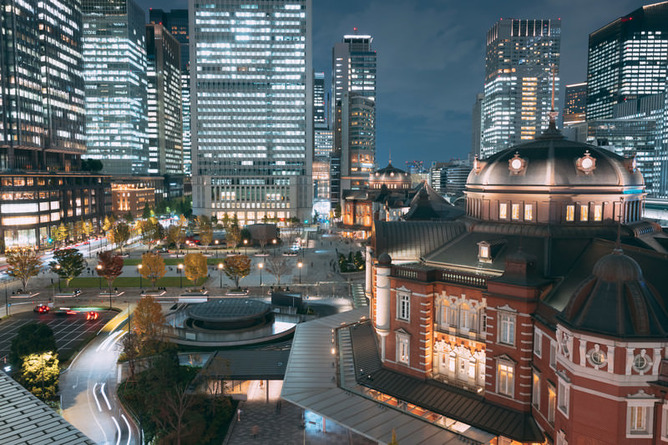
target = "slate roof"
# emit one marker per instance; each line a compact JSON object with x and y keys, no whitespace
{"x":440,"y":398}
{"x":410,"y":240}
{"x":238,"y":364}
{"x":24,"y":419}
{"x":427,"y":204}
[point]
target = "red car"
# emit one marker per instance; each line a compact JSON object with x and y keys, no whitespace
{"x":92,"y":315}
{"x":42,"y":309}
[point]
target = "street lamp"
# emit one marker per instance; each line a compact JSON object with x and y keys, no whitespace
{"x":216,"y":243}
{"x":58,"y":270}
{"x":99,"y":277}
{"x":260,"y":266}
{"x":220,"y":272}
{"x":139,"y":266}
{"x":245,"y":247}
{"x":300,"y":265}
{"x":179,"y":268}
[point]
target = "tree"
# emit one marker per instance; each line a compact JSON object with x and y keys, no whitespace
{"x":109,"y":267}
{"x":91,"y":165}
{"x":131,"y":350}
{"x":232,"y":231}
{"x":61,"y":233}
{"x":205,"y":231}
{"x":152,"y":267}
{"x":108,"y":223}
{"x":129,"y":217}
{"x":147,"y":323}
{"x":278,"y":266}
{"x":120,"y":234}
{"x":146,"y":214}
{"x":33,"y":338}
{"x":359,"y":260}
{"x":236,"y":267}
{"x":151,"y":231}
{"x":23,"y":264}
{"x":39,"y":374}
{"x":195,"y":267}
{"x":173,"y":235}
{"x":68,"y":264}
{"x":88,"y":228}
{"x":78,"y":230}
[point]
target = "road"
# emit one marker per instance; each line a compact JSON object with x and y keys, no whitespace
{"x":88,"y":390}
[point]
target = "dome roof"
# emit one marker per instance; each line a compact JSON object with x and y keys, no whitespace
{"x":616,"y":301}
{"x":550,"y":162}
{"x":384,"y":260}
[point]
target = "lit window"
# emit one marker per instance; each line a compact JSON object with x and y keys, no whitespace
{"x":528,"y":212}
{"x":507,"y":328}
{"x":503,"y":210}
{"x":483,"y":252}
{"x":563,"y":397}
{"x":570,"y":213}
{"x":506,"y":378}
{"x":638,"y":420}
{"x":535,"y":394}
{"x":584,"y":213}
{"x":516,"y":212}
{"x":403,"y":348}
{"x":551,"y":403}
{"x":598,"y":212}
{"x":403,"y":307}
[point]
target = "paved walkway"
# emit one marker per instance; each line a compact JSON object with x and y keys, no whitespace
{"x":285,"y":426}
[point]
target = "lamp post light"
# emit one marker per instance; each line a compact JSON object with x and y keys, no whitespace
{"x":216,"y":243}
{"x":300,"y":265}
{"x":179,"y":268}
{"x":246,"y":247}
{"x":139,"y":266}
{"x":260,"y":266}
{"x":274,"y":241}
{"x":58,"y":269}
{"x":220,"y":272}
{"x":99,"y":277}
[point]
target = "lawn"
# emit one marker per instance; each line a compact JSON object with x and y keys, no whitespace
{"x":87,"y":282}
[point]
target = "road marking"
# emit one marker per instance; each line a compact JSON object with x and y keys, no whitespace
{"x":92,"y":413}
{"x":105,"y":396}
{"x":97,"y":402}
{"x":129,"y":429}
{"x":118,"y":428}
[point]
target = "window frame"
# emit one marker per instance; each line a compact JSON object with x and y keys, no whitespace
{"x":507,"y":320}
{"x":403,"y":310}
{"x":505,"y":385}
{"x":584,"y":212}
{"x":551,"y":403}
{"x":528,"y":212}
{"x":538,"y":343}
{"x":563,"y":397}
{"x":403,"y":348}
{"x":570,"y":213}
{"x":535,"y":389}
{"x":503,"y":210}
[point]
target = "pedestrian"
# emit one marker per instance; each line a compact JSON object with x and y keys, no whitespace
{"x":239,"y":415}
{"x":255,"y":431}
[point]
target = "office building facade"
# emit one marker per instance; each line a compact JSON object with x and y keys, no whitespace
{"x":521,"y":70}
{"x":354,"y":111}
{"x":114,"y":49}
{"x":176,"y":23}
{"x":42,"y":127}
{"x":627,"y":58}
{"x":165,"y":130}
{"x":252,"y":109}
{"x":575,"y":104}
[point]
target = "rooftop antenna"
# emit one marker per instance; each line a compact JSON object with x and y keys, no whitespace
{"x":390,"y":161}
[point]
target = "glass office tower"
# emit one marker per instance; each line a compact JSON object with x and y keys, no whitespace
{"x":165,"y":131}
{"x":114,"y":49}
{"x":521,"y":61}
{"x":252,"y":109}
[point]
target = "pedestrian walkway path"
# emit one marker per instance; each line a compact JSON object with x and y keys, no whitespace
{"x":279,"y":422}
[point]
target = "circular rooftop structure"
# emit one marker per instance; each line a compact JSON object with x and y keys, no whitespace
{"x":553,"y":180}
{"x":230,"y":314}
{"x":617,"y":267}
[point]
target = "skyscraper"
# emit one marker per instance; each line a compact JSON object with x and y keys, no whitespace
{"x":165,"y":131}
{"x":42,"y":124}
{"x":575,"y":103}
{"x":521,"y":63}
{"x":176,"y":22}
{"x":114,"y":48}
{"x":322,"y":145}
{"x":628,"y":58}
{"x":252,"y":111}
{"x":354,"y":111}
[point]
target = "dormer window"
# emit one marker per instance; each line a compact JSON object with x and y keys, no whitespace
{"x":487,"y":250}
{"x":483,"y":252}
{"x":528,"y":212}
{"x":516,"y":212}
{"x":503,"y":210}
{"x":570,"y":212}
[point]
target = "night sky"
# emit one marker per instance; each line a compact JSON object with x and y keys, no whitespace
{"x":431,"y":60}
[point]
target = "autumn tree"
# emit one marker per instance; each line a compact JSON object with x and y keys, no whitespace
{"x":109,"y":267}
{"x":195,"y":267}
{"x":108,"y":223}
{"x":278,"y":266}
{"x":147,"y":323}
{"x":152,"y":267}
{"x":61,"y":233}
{"x":39,"y":374}
{"x":120,"y":234}
{"x":131,"y":351}
{"x":205,"y":230}
{"x":23,"y":264}
{"x":151,"y":231}
{"x":68,"y":264}
{"x":237,"y":267}
{"x":232,"y":231}
{"x":88,"y":228}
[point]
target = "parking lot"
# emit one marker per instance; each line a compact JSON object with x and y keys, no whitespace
{"x":69,"y":330}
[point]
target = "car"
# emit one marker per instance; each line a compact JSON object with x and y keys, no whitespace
{"x":42,"y":309}
{"x":92,"y":315}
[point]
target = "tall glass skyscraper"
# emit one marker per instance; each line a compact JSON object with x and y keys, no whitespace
{"x":575,"y":103}
{"x":114,"y":44}
{"x":252,"y":108}
{"x":176,"y":22}
{"x":628,"y":58}
{"x":521,"y":61}
{"x":165,"y":131}
{"x":354,"y":111}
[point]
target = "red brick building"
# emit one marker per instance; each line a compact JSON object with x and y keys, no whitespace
{"x":545,"y":305}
